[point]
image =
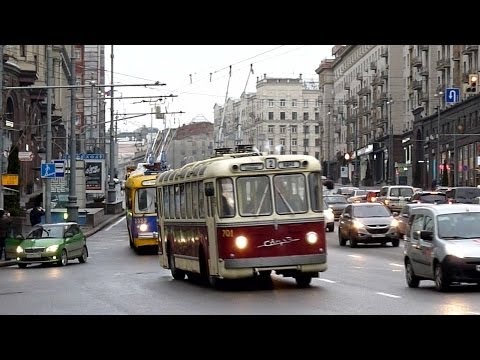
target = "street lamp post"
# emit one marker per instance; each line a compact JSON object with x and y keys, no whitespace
{"x":72,"y":207}
{"x":111,"y":196}
{"x":328,"y":142}
{"x":391,"y":173}
{"x":439,"y":158}
{"x":355,"y":145}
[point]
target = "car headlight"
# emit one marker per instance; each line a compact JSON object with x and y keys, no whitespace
{"x":311,"y":237}
{"x":357,"y":224}
{"x":19,"y":249}
{"x":386,"y":202}
{"x":52,"y":248}
{"x":241,"y":242}
{"x":454,"y":250}
{"x":143,"y":227}
{"x":394,"y":223}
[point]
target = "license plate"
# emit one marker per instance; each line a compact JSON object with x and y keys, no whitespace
{"x":478,"y":267}
{"x":34,"y":255}
{"x":378,"y":235}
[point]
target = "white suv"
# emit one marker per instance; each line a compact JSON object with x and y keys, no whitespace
{"x":395,"y":197}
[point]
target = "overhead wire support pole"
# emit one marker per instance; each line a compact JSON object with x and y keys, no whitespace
{"x":111,"y":195}
{"x":48,"y":183}
{"x":220,"y":129}
{"x":72,"y":207}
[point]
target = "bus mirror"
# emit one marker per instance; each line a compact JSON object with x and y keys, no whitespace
{"x":209,"y":190}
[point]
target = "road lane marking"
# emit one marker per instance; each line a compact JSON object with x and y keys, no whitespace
{"x":355,"y":256}
{"x":393,"y":264}
{"x":388,"y":295}
{"x":115,"y":224}
{"x":328,"y":281}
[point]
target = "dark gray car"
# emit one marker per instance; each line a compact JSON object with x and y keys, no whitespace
{"x":337,"y":203}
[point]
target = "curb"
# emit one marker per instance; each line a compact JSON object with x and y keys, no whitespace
{"x":87,"y":234}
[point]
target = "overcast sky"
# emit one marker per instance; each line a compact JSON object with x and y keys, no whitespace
{"x":198,"y":76}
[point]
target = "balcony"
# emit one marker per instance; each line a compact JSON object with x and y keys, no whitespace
{"x":383,"y":119}
{"x":384,"y":74}
{"x":365,"y":130}
{"x":423,"y":47}
{"x":424,"y":71}
{"x":417,"y":85}
{"x":376,"y":81}
{"x":338,"y":128}
{"x":469,"y":49}
{"x":359,"y":76}
{"x":442,"y":64}
{"x":416,"y":61}
{"x":384,"y":51}
{"x":346,"y":86}
{"x":383,"y":96}
{"x":373,"y":65}
{"x":423,"y":96}
{"x":364,"y":91}
{"x":456,"y":53}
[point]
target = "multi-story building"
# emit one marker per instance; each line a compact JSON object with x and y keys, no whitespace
{"x":362,"y":102}
{"x":282,"y":116}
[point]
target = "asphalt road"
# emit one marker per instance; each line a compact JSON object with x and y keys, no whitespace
{"x":368,"y":280}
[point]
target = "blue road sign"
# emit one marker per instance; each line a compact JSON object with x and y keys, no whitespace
{"x":59,"y":168}
{"x":47,"y":170}
{"x":452,"y":95}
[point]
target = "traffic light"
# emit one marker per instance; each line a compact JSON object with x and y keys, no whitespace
{"x":472,"y":83}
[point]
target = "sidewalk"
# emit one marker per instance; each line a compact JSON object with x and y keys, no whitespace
{"x":88,"y":231}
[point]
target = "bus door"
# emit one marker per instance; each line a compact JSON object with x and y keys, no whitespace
{"x":210,"y":197}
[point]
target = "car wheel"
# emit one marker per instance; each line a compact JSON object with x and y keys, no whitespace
{"x":177,"y":274}
{"x":353,"y":242}
{"x":83,"y":258}
{"x":331,"y":227}
{"x":395,"y":242}
{"x":441,"y":281}
{"x":341,"y":240}
{"x":303,"y":280}
{"x":63,"y":258}
{"x":412,"y":280}
{"x":22,"y":266}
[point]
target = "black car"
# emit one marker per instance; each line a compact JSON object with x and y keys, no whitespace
{"x":429,"y":197}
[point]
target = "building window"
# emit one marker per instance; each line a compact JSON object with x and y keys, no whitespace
{"x":305,"y":116}
{"x":282,"y":141}
{"x":270,"y":142}
{"x":270,"y":116}
{"x":294,"y":102}
{"x":294,"y":129}
{"x":305,"y":103}
{"x":270,"y":102}
{"x":270,"y":129}
{"x":317,"y":103}
{"x":317,"y":142}
{"x":282,"y":102}
{"x":283,"y":129}
{"x":23,"y":51}
{"x":282,"y":115}
{"x":317,"y":116}
{"x":306,"y":129}
{"x":294,"y":116}
{"x":294,"y":142}
{"x":317,"y":129}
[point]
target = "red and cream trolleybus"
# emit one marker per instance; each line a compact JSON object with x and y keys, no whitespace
{"x":243,"y":214}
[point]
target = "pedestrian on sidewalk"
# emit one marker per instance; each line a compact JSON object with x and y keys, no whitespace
{"x":36,"y":214}
{"x":5,"y":224}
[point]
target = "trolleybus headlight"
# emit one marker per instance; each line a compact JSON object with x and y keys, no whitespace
{"x":311,"y":237}
{"x":241,"y":242}
{"x":143,"y":227}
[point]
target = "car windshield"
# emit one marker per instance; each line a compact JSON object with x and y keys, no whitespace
{"x":340,"y":199}
{"x":370,"y":211}
{"x":459,"y":225}
{"x":44,"y":232}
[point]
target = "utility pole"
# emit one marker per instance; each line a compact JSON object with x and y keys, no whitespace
{"x":1,"y":126}
{"x":72,"y":207}
{"x":111,"y":196}
{"x":48,"y":184}
{"x":328,"y":143}
{"x":355,"y":145}
{"x":390,"y":170}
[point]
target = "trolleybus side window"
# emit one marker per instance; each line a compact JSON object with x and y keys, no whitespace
{"x":177,"y":202}
{"x":201,"y":200}
{"x":315,"y":186}
{"x":188,"y":192}
{"x":172,"y":201}
{"x":166,"y":202}
{"x":254,"y":196}
{"x":226,"y":197}
{"x":195,"y":200}
{"x":290,"y":194}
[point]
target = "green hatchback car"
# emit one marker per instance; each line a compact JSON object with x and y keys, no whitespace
{"x":49,"y":243}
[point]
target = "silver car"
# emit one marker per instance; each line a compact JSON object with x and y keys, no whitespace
{"x":443,"y":245}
